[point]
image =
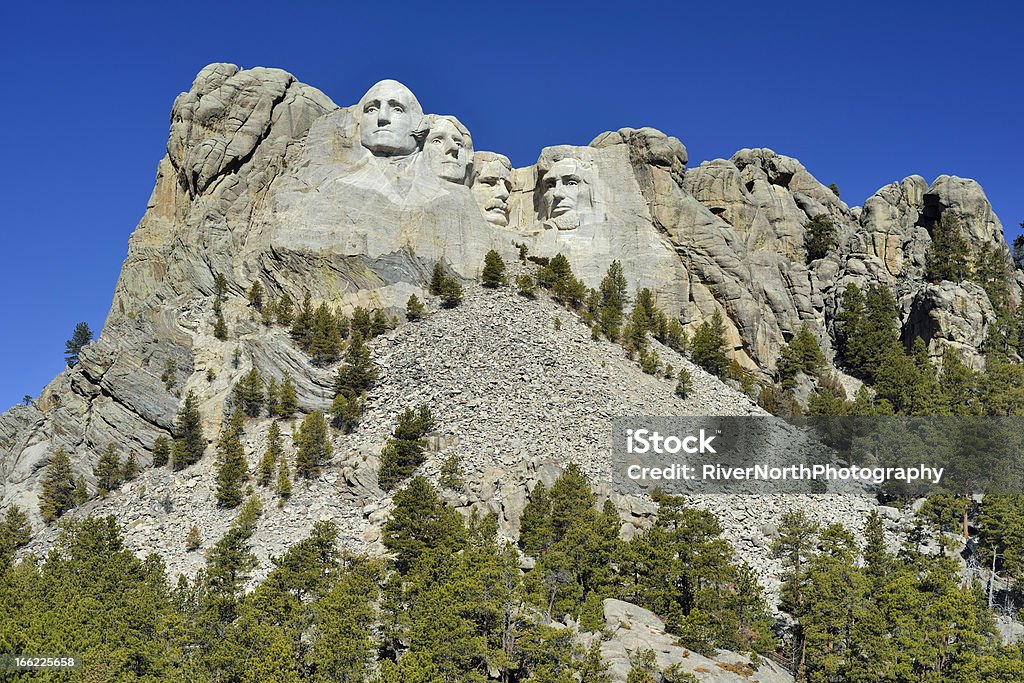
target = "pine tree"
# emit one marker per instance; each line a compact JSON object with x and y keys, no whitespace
{"x":220,"y":286}
{"x":130,"y":469}
{"x":358,"y":373}
{"x":346,"y":409}
{"x":325,"y":339}
{"x":249,"y":393}
{"x":493,"y":274}
{"x":314,"y":445}
{"x":413,"y":309}
{"x":403,"y":452}
{"x":708,"y":347}
{"x":220,"y":326}
{"x":451,"y":475}
{"x":960,"y":385}
{"x":801,"y":355}
{"x":284,"y":482}
{"x":285,"y":310}
{"x":58,"y":486}
{"x":451,"y":293}
{"x":437,"y":278}
{"x":302,"y":324}
{"x":526,"y":285}
{"x":612,"y":301}
{"x":289,"y":402}
{"x":79,"y":338}
{"x":273,"y":400}
{"x":819,"y":237}
{"x":379,"y":323}
{"x":81,"y":493}
{"x":107,"y":471}
{"x":421,"y":522}
{"x":993,"y":274}
{"x":189,"y":442}
{"x":877,"y":561}
{"x":256,"y":296}
{"x":232,"y":467}
{"x":948,"y":254}
{"x":795,"y":546}
{"x":684,"y":383}
{"x":15,"y":529}
{"x":270,"y":456}
{"x":161,"y":451}
{"x":268,"y":310}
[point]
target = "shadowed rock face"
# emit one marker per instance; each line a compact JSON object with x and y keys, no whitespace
{"x":266,"y":179}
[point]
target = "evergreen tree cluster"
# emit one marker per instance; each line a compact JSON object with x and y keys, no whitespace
{"x":404,"y":450}
{"x":445,"y":286}
{"x":252,"y":394}
{"x":865,"y":614}
{"x":819,"y":237}
{"x":454,"y":605}
{"x":110,"y":472}
{"x":801,"y":355}
{"x":354,"y":379}
{"x":321,"y":332}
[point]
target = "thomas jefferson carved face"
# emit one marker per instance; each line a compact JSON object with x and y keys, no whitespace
{"x":491,"y":186}
{"x":388,"y":115}
{"x":562,"y":187}
{"x":448,"y":148}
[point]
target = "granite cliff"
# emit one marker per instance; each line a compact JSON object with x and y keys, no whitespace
{"x":266,"y":180}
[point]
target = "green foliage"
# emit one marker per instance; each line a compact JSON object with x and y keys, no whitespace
{"x":346,"y":410}
{"x":834,"y":188}
{"x":794,"y":546}
{"x":650,"y":363}
{"x":819,"y":237}
{"x":285,"y":310}
{"x":992,"y":272}
{"x":451,"y":475}
{"x":58,"y":486}
{"x":256,"y":295}
{"x":15,"y":531}
{"x":189,"y":442}
{"x":526,"y":285}
{"x":107,"y":471}
{"x":413,"y":309}
{"x":79,"y":338}
{"x":288,"y":401}
{"x":801,"y":355}
{"x":557,"y":277}
{"x":324,"y":336}
{"x":358,"y":373}
{"x":249,"y":393}
{"x":909,"y":382}
{"x":612,"y":301}
{"x":220,"y":286}
{"x":404,"y":451}
{"x":232,"y":466}
{"x":268,"y":463}
{"x":708,"y":347}
{"x":866,"y":327}
{"x":220,"y":326}
{"x":313,"y":445}
{"x":948,"y":256}
{"x":493,"y":274}
{"x":284,"y":481}
{"x":451,"y":293}
{"x":421,"y":522}
{"x":437,"y":279}
{"x":684,"y":383}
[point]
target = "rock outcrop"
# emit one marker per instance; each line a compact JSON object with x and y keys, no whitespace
{"x":266,"y":180}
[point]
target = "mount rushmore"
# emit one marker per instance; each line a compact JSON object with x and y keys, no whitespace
{"x":267,"y":180}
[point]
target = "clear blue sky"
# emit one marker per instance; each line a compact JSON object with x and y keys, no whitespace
{"x":863,"y":95}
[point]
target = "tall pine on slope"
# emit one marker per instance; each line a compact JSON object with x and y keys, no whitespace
{"x":58,"y":486}
{"x":79,"y":338}
{"x":232,"y":467}
{"x":189,"y":442}
{"x":313,"y":442}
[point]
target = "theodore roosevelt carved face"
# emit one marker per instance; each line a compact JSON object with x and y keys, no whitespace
{"x":388,"y":115}
{"x":448,"y":148}
{"x":492,"y":185}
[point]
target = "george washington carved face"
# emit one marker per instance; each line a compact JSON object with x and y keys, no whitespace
{"x":492,"y":185}
{"x":388,"y":114}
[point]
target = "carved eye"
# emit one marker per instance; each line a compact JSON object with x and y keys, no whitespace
{"x":370,"y":108}
{"x":549,"y":184}
{"x":398,"y":109}
{"x":572,"y":181}
{"x":436,"y":141}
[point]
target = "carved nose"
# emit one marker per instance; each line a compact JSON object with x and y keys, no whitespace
{"x":502,"y":192}
{"x":383,"y":116}
{"x":452,"y":151}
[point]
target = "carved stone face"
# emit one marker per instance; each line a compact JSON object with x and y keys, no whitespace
{"x":448,"y":150}
{"x":491,"y":186}
{"x":562,"y":187}
{"x":388,"y":115}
